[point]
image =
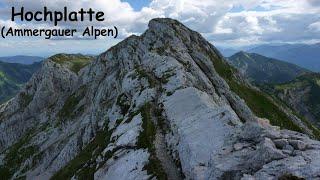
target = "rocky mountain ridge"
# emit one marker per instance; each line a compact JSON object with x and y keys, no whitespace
{"x":293,"y":86}
{"x":27,"y":60}
{"x":303,"y":55}
{"x":260,"y":69}
{"x":302,"y":94}
{"x":164,"y":105}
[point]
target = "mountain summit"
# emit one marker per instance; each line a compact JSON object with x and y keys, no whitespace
{"x":261,"y":69}
{"x":163,"y":105}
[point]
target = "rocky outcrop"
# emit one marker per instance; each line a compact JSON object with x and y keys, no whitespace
{"x":263,"y":152}
{"x":153,"y":106}
{"x":302,"y":95}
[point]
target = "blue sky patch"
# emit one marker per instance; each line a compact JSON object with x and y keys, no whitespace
{"x":137,"y":5}
{"x":236,"y":9}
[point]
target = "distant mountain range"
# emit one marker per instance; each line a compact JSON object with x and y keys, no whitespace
{"x":261,"y":69}
{"x":13,"y":76}
{"x":226,"y":52}
{"x":21,"y":59}
{"x":304,"y":55}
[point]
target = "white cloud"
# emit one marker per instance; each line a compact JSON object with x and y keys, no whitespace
{"x":8,"y":23}
{"x":280,"y":21}
{"x":315,"y":26}
{"x":259,"y":21}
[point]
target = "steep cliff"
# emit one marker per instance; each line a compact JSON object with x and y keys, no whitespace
{"x":301,"y":94}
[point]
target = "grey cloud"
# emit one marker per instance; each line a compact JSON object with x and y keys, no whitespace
{"x":203,"y":17}
{"x":314,"y":2}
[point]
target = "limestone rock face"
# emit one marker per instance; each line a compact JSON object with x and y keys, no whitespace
{"x":153,"y":106}
{"x":266,"y":153}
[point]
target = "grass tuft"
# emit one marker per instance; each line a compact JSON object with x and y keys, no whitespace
{"x":145,"y":140}
{"x":84,"y":164}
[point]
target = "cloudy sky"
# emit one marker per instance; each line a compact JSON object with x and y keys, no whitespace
{"x":225,"y":23}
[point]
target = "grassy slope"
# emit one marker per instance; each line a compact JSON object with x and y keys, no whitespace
{"x":17,"y":154}
{"x":259,"y":102}
{"x":74,"y":62}
{"x":262,"y":69}
{"x":262,"y":104}
{"x":13,"y":76}
{"x":310,"y":99}
{"x":84,"y":165}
